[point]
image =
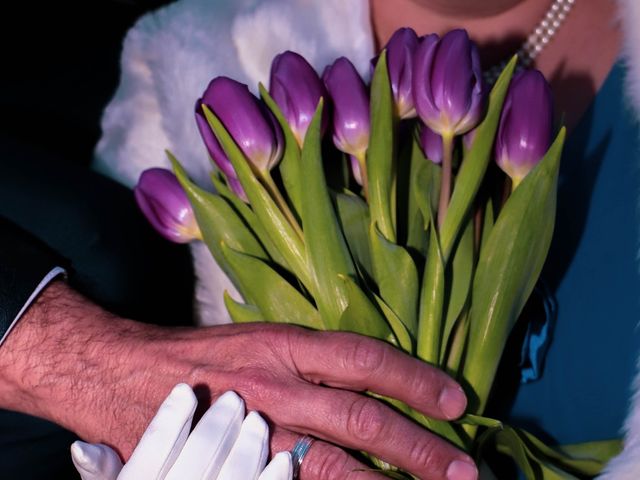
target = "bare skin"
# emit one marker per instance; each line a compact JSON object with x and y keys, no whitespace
{"x":103,"y":377}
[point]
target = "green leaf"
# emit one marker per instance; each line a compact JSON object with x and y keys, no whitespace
{"x":540,"y":462}
{"x":361,"y":316}
{"x":457,"y":344}
{"x":420,"y":185}
{"x":282,"y":233}
{"x":477,"y":420}
{"x":488,"y":222}
{"x":218,"y":223}
{"x":447,"y":430}
{"x":583,"y":459}
{"x":508,"y":442}
{"x":460,"y":276}
{"x":426,"y":189}
{"x":242,"y":313}
{"x":397,"y":278}
{"x":405,"y":339}
{"x":277,"y":300}
{"x":251,"y":220}
{"x":290,"y":165}
{"x":327,"y":251}
{"x":431,"y":309}
{"x":353,"y":213}
{"x":508,"y":269}
{"x":601,"y":452}
{"x":381,"y":151}
{"x":475,"y":164}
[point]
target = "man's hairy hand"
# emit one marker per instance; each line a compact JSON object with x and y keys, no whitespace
{"x":103,"y":377}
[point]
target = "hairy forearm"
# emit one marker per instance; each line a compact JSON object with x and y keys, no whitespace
{"x":68,"y":359}
{"x":104,"y":377}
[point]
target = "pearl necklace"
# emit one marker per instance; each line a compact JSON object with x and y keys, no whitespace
{"x":538,"y":40}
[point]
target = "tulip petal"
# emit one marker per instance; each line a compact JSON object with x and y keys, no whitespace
{"x":247,"y":121}
{"x":166,"y":206}
{"x":348,"y":94}
{"x":431,"y":144}
{"x":525,"y":128}
{"x":296,"y":88}
{"x":422,"y":93}
{"x":448,"y":88}
{"x":400,"y":49}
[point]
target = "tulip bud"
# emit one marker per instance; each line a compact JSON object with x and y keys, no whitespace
{"x":400,"y":51}
{"x":431,"y":144}
{"x":165,"y":204}
{"x":524,"y":133}
{"x":447,"y":83}
{"x":296,"y":88}
{"x":217,"y":153}
{"x":351,"y":124}
{"x":251,"y":125}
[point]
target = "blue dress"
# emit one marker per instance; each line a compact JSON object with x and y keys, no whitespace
{"x":584,"y":389}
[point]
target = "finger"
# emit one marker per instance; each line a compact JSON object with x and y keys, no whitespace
{"x":211,"y":441}
{"x":95,"y":461}
{"x":361,"y":423}
{"x":249,"y":454}
{"x":280,"y":468}
{"x":355,"y":362}
{"x":324,"y":461}
{"x":163,"y":440}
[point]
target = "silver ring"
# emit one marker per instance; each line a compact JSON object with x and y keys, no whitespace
{"x":299,"y":451}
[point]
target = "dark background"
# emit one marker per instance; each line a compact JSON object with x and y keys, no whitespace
{"x":59,"y":67}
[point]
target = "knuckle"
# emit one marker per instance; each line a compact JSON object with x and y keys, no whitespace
{"x":424,"y":454}
{"x":332,"y":465}
{"x":365,"y":356}
{"x":426,"y":384}
{"x":254,"y":384}
{"x":365,"y":420}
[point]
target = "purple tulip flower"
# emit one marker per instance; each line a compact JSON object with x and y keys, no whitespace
{"x":524,"y":133}
{"x":447,"y":83}
{"x":431,"y":144}
{"x":247,"y":120}
{"x":217,"y":153}
{"x":296,"y":88}
{"x":351,"y":123}
{"x":165,"y":204}
{"x":400,"y":52}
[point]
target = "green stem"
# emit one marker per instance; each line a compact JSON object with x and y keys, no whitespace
{"x":458,"y":344}
{"x":273,"y":190}
{"x":362,"y":161}
{"x":445,"y":186}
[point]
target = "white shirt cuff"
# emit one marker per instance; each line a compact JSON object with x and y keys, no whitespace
{"x":43,"y":283}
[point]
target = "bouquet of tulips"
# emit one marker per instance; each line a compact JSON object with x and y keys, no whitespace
{"x":402,"y":228}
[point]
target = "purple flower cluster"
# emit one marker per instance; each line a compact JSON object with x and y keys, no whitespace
{"x":438,"y":79}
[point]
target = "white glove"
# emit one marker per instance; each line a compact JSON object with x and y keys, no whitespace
{"x":221,"y":447}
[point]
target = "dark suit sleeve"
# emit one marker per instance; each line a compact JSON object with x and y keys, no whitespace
{"x":26,"y":267}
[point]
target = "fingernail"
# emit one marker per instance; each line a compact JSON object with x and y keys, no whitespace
{"x":452,"y":402}
{"x":461,"y":470}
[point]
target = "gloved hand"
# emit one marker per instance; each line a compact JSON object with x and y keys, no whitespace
{"x":221,"y":447}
